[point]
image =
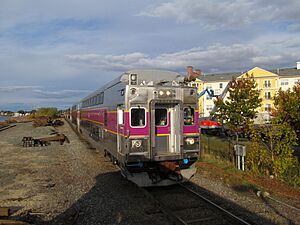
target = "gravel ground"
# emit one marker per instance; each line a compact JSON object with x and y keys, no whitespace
{"x":245,"y":202}
{"x":67,"y":184}
{"x":75,"y":184}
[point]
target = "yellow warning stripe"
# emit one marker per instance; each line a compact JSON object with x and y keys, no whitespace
{"x":161,"y":135}
{"x":93,"y":121}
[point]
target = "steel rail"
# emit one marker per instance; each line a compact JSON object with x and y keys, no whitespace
{"x":165,"y":209}
{"x":7,"y":127}
{"x":217,"y":206}
{"x":179,"y":221}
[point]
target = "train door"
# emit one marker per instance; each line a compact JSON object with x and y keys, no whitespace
{"x":167,"y":129}
{"x":120,"y":128}
{"x":175,"y":131}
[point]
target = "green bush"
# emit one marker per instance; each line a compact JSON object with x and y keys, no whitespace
{"x":271,"y":149}
{"x":47,"y":112}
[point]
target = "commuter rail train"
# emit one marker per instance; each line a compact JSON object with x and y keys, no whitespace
{"x":147,"y":122}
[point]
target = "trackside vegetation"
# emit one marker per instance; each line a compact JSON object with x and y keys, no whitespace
{"x":270,"y":147}
{"x":47,"y":112}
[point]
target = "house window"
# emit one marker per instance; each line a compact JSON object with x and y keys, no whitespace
{"x":284,"y":82}
{"x":208,"y":97}
{"x":267,"y":84}
{"x":209,"y":107}
{"x":267,"y":118}
{"x":220,"y":85}
{"x":268,"y":95}
{"x":268,"y":108}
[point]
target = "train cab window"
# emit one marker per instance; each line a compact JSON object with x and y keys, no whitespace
{"x":189,"y":116}
{"x":137,"y":117}
{"x":161,"y":117}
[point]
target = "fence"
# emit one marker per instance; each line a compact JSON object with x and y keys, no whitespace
{"x":219,"y":147}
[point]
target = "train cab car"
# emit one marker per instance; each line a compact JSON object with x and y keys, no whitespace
{"x":147,"y":121}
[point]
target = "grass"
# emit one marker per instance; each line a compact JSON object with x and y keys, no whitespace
{"x":244,"y":182}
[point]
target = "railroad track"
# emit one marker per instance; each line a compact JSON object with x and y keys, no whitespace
{"x":184,"y":206}
{"x":6,"y":127}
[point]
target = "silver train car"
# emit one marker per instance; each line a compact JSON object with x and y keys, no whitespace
{"x":147,"y":122}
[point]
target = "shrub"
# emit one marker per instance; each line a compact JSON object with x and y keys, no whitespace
{"x":47,"y":112}
{"x":271,"y":149}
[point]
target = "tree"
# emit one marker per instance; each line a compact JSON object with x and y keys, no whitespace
{"x":239,"y":110}
{"x":271,"y":149}
{"x":21,"y":111}
{"x":287,"y":108}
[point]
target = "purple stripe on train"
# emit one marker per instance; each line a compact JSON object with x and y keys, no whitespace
{"x":98,"y":116}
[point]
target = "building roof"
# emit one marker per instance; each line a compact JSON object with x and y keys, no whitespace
{"x":287,"y":72}
{"x":219,"y":76}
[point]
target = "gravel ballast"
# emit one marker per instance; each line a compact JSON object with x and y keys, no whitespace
{"x":67,"y":184}
{"x":75,"y":184}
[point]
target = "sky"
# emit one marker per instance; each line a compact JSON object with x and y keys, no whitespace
{"x":53,"y":53}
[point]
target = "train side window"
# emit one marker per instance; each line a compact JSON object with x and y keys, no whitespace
{"x":98,"y":99}
{"x":137,"y":117}
{"x":161,"y":117}
{"x":189,"y":116}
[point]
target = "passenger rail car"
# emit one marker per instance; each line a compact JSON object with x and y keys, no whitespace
{"x":147,"y":121}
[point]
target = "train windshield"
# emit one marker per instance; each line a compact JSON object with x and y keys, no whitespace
{"x":161,"y":118}
{"x":138,"y":118}
{"x":189,"y":115}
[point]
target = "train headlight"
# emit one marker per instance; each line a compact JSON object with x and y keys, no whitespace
{"x":168,"y":93}
{"x":161,"y":93}
{"x":190,"y":141}
{"x":133,"y":77}
{"x":136,"y":143}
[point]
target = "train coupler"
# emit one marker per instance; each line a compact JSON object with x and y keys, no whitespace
{"x":171,"y":170}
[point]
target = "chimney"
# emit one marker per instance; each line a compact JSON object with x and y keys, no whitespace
{"x":189,"y":71}
{"x":298,"y":65}
{"x":191,"y":74}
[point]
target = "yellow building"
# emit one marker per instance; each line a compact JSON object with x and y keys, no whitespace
{"x":268,"y":86}
{"x":199,"y":84}
{"x":269,"y":82}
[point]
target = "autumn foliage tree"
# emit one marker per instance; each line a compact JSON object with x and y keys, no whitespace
{"x":240,"y":108}
{"x":287,"y":108}
{"x":271,"y":148}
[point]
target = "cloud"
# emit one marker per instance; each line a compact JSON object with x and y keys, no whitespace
{"x":228,"y":14}
{"x":214,"y":57}
{"x":61,"y":94}
{"x":294,"y":27}
{"x":16,"y":88}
